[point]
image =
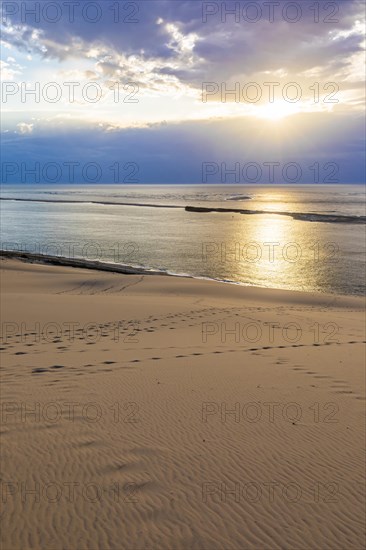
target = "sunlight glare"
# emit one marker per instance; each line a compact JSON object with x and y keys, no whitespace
{"x":277,"y":111}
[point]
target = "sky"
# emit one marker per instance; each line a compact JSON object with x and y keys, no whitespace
{"x":175,"y":91}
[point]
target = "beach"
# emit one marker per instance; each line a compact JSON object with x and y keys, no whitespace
{"x":182,"y":273}
{"x":145,"y":411}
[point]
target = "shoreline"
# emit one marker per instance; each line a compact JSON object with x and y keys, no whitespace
{"x":95,"y":265}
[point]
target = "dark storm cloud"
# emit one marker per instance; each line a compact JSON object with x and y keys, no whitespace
{"x":175,"y":153}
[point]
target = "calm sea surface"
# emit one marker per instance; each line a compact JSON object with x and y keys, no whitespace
{"x":269,"y":249}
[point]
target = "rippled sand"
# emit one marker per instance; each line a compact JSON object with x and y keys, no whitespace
{"x":157,"y":412}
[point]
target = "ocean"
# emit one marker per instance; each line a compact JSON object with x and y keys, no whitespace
{"x":305,"y":238}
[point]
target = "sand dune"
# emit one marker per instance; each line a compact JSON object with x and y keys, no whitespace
{"x":146,"y":412}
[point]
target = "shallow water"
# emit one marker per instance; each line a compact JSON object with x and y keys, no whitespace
{"x":268,"y":250}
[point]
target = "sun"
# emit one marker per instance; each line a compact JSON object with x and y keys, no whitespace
{"x":277,"y":111}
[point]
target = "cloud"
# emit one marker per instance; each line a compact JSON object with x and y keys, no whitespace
{"x":168,"y":50}
{"x":10,"y":70}
{"x":25,"y":128}
{"x":171,"y":38}
{"x":175,"y":153}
